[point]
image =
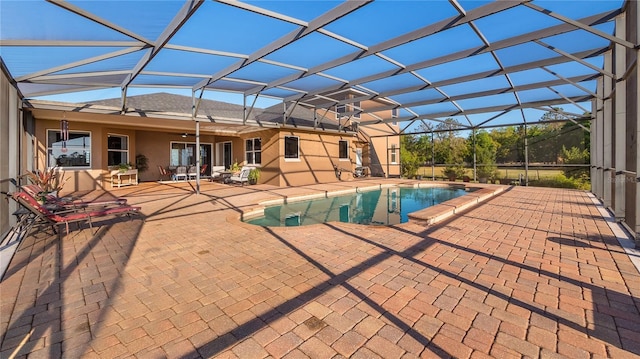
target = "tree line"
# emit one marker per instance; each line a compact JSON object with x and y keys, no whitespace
{"x":549,"y":142}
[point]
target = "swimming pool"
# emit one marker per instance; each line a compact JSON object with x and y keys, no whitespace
{"x":385,"y":206}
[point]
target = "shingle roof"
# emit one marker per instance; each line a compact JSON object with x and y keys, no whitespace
{"x":171,"y":103}
{"x":166,"y":102}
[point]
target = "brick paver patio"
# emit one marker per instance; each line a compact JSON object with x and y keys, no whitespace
{"x":532,"y":272}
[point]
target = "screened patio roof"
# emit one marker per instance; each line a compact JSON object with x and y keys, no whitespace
{"x":483,"y":63}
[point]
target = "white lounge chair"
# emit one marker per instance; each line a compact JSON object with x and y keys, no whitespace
{"x":181,"y":173}
{"x":192,"y":172}
{"x":241,"y":177}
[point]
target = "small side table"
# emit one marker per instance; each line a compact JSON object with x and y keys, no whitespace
{"x":126,"y":178}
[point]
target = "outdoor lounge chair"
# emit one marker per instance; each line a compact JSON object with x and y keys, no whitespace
{"x":241,"y":177}
{"x":192,"y":172}
{"x":36,"y":191}
{"x":68,"y":216}
{"x":203,"y":171}
{"x":181,"y":172}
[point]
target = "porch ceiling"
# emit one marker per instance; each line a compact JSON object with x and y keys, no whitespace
{"x":483,"y":63}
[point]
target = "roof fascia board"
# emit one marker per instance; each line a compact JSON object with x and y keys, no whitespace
{"x":509,"y":42}
{"x":187,"y":10}
{"x":74,"y":9}
{"x":474,"y":14}
{"x":323,"y":20}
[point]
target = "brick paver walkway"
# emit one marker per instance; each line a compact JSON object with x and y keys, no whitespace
{"x":532,"y":272}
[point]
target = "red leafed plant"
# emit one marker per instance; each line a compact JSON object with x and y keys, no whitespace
{"x":50,"y":180}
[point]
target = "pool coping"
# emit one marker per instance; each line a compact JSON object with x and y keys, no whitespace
{"x":477,"y":193}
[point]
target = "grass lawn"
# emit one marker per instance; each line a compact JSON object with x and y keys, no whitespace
{"x":544,"y":177}
{"x":514,"y":173}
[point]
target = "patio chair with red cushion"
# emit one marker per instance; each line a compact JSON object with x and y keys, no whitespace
{"x":165,"y":173}
{"x":55,"y":216}
{"x":36,"y":191}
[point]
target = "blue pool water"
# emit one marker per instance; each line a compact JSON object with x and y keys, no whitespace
{"x":379,"y":207}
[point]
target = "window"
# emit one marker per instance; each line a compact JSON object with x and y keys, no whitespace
{"x":394,"y":112}
{"x":356,"y":107}
{"x":183,"y":154}
{"x":75,"y":152}
{"x":253,"y":151}
{"x":343,"y":149}
{"x":291,"y":147}
{"x":117,"y":149}
{"x":340,"y":110}
{"x":393,"y":154}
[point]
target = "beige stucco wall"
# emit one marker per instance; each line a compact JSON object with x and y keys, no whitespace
{"x":318,"y":154}
{"x":377,"y":157}
{"x":156,"y":146}
{"x":83,"y":179}
{"x":318,"y":151}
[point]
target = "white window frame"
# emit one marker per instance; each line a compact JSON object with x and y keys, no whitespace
{"x":88,"y":166}
{"x":113,"y":150}
{"x":393,"y":155}
{"x":395,"y":112}
{"x":254,"y":151}
{"x":291,"y":159}
{"x":356,"y":107}
{"x":340,"y":109}
{"x":347,"y":150}
{"x":195,"y":154}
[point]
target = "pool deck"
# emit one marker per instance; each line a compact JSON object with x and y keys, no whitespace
{"x":527,"y":272}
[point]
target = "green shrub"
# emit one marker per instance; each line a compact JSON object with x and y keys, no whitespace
{"x":561,"y":181}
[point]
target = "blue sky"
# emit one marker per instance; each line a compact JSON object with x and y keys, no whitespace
{"x":234,"y":33}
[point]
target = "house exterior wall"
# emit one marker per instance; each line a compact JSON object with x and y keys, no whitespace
{"x":81,"y":179}
{"x":379,"y":150}
{"x":318,"y":154}
{"x":156,"y":146}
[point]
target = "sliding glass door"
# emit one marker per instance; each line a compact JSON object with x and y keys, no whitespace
{"x":184,"y":154}
{"x":223,"y":154}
